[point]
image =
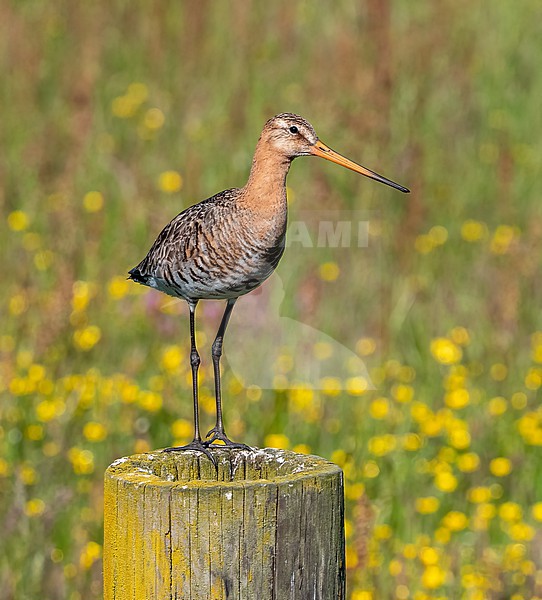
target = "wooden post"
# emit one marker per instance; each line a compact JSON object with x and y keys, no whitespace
{"x":268,"y":525}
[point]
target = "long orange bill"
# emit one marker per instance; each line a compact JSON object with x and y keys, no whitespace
{"x":320,"y":149}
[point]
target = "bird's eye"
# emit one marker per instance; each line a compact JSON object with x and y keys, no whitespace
{"x":294,"y":129}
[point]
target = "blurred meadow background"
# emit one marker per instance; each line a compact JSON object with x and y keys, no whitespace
{"x":117,"y":115}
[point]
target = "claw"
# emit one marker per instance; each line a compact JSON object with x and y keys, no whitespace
{"x":217,"y":434}
{"x":197,"y":445}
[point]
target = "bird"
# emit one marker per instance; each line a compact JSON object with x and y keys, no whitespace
{"x":227,"y":245}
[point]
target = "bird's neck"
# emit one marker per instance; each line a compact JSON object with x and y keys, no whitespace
{"x":265,"y":190}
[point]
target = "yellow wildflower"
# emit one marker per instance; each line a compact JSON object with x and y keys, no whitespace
{"x":277,"y":440}
{"x":85,"y":339}
{"x":427,"y":505}
{"x":329,"y":271}
{"x":445,"y":351}
{"x":433,"y":577}
{"x":93,"y":201}
{"x":379,"y":408}
{"x":170,"y":182}
{"x":497,"y":406}
{"x":34,"y":507}
{"x":500,"y":467}
{"x":402,"y":392}
{"x":380,"y":445}
{"x":94,"y":431}
{"x":457,"y":399}
{"x":18,"y":220}
{"x":445,"y":481}
{"x":91,"y":553}
{"x":181,"y":429}
{"x":455,"y":520}
{"x":468,"y":462}
{"x":473,"y":231}
{"x":537,"y":511}
{"x":510,"y":511}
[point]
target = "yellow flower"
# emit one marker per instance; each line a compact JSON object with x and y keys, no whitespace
{"x":521,"y":532}
{"x":537,"y":511}
{"x":402,"y":392}
{"x":371,"y":469}
{"x":498,"y":372}
{"x":510,"y":511}
{"x":427,"y":505}
{"x":181,"y":429}
{"x":86,"y":338}
{"x":91,"y":553}
{"x":153,"y":119}
{"x":302,"y":449}
{"x":47,"y":410}
{"x":424,"y":244}
{"x":379,"y":408}
{"x":94,"y":431}
{"x":150,"y":401}
{"x":533,"y":379}
{"x":468,"y":462}
{"x":455,"y":520}
{"x":445,"y":351}
{"x":459,"y":438}
{"x":383,"y":532}
{"x":519,"y":400}
{"x":445,"y":481}
{"x":34,"y":432}
{"x":457,"y":399}
{"x":331,"y":386}
{"x":34,"y":507}
{"x":172,"y":358}
{"x":93,"y":201}
{"x":412,"y":442}
{"x":460,"y":335}
{"x":118,"y":287}
{"x":479,"y":494}
{"x":433,"y":577}
{"x":28,"y":474}
{"x":395,"y":568}
{"x":277,"y":440}
{"x":497,"y":406}
{"x":473,"y":231}
{"x":329,"y":271}
{"x":361,"y":594}
{"x":438,"y":235}
{"x":500,"y":467}
{"x":366,"y":346}
{"x":356,"y":386}
{"x":429,"y":555}
{"x":503,"y":238}
{"x":82,"y":460}
{"x":18,"y":220}
{"x":380,"y":445}
{"x":170,"y":182}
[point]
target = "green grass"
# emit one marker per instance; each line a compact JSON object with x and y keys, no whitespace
{"x":442,"y":97}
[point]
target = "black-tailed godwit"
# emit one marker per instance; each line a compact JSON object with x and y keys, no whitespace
{"x":227,"y":245}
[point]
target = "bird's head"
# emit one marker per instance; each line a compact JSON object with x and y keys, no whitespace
{"x":291,"y":136}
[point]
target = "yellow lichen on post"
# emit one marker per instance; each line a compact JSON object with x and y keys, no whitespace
{"x":266,"y":524}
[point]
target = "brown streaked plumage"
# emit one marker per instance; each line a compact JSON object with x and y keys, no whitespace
{"x":227,"y":245}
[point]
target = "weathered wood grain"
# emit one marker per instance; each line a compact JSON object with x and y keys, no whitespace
{"x":267,"y":525}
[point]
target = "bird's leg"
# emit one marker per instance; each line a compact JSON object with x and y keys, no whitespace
{"x":196,"y":443}
{"x":218,"y":433}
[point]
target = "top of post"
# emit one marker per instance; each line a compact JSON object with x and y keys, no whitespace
{"x":235,"y":467}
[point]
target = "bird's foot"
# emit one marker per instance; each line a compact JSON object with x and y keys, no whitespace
{"x":197,"y":445}
{"x":216,"y":434}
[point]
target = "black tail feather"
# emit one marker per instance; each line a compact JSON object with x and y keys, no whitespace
{"x":136,"y":275}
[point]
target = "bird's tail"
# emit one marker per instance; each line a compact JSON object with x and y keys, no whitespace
{"x":136,"y":275}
